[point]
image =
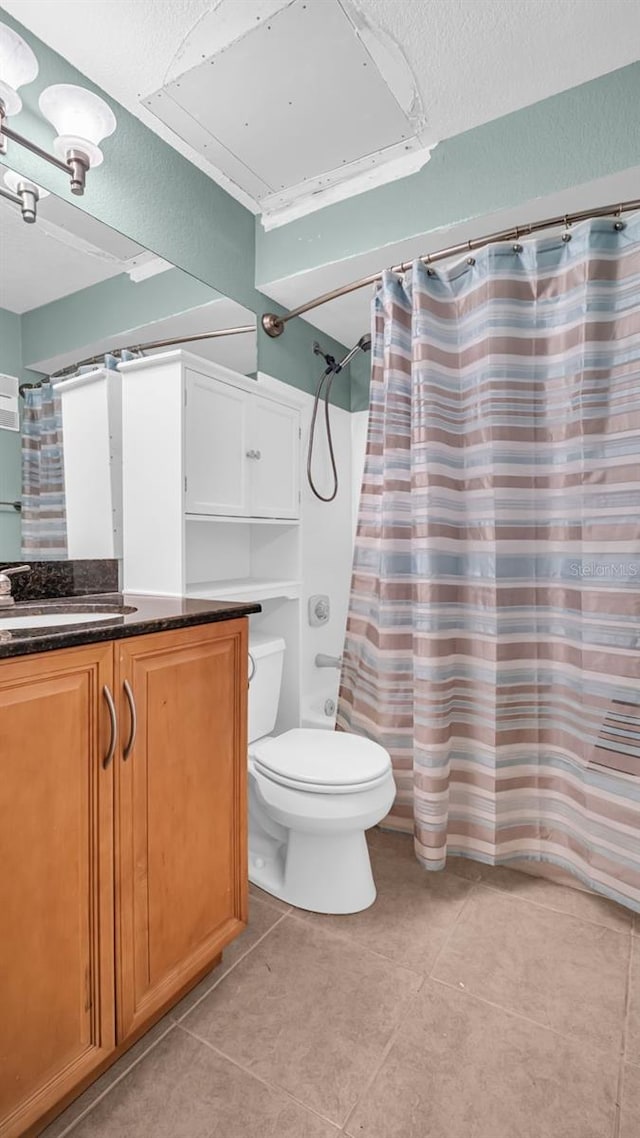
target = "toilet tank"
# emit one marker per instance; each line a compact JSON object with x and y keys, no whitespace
{"x":266,"y":681}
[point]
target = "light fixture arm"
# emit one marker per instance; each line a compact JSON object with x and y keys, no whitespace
{"x":75,"y":168}
{"x":10,"y":196}
{"x":26,"y":197}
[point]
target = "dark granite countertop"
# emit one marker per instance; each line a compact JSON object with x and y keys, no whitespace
{"x":137,"y":615}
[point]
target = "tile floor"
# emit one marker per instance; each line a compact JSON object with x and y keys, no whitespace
{"x":475,"y":1003}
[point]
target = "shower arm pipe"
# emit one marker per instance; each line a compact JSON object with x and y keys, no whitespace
{"x":275,"y":325}
{"x":173,"y":342}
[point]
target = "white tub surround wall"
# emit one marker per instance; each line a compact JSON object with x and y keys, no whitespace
{"x":359,"y":425}
{"x":326,"y":551}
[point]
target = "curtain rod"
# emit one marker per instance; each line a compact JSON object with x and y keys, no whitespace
{"x":147,"y":347}
{"x":275,"y":325}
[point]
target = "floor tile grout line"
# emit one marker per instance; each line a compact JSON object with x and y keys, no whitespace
{"x":271,"y":902}
{"x":402,"y":1019}
{"x":540,"y":905}
{"x":578,"y":1039}
{"x":623,"y":1051}
{"x":634,"y":917}
{"x":172,"y":1024}
{"x":345,"y":938}
{"x":83,"y":1114}
{"x":276,"y":1087}
{"x":229,"y":970}
{"x":627,"y":1003}
{"x":385,"y":1052}
{"x":445,"y":943}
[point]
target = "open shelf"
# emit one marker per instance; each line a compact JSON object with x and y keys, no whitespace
{"x":227,"y":519}
{"x":245,"y":589}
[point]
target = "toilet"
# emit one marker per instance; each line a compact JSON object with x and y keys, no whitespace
{"x":312,"y":795}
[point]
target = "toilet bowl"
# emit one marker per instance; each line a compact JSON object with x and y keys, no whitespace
{"x":312,"y":796}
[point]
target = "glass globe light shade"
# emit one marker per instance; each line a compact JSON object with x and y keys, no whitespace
{"x":18,"y":65}
{"x":13,"y":180}
{"x":81,"y":119}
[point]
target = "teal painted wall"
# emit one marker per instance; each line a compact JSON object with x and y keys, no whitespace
{"x":107,"y":309}
{"x":10,"y":343}
{"x":584,"y":133}
{"x":10,"y":476}
{"x":114,"y":306}
{"x":359,"y":386}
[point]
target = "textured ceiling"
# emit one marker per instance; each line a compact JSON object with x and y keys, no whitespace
{"x":473,"y":60}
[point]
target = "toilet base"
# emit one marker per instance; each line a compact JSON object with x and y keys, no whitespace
{"x":315,"y":874}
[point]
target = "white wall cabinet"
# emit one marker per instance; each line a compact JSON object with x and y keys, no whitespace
{"x":241,"y":451}
{"x":217,"y":469}
{"x":211,"y":473}
{"x":92,"y":430}
{"x":274,"y":477}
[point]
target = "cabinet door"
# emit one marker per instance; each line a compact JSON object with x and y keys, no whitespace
{"x":275,"y":475}
{"x":216,"y":445}
{"x":181,"y":876}
{"x":56,"y":879}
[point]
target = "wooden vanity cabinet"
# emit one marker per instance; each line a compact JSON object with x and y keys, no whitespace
{"x":120,"y":884}
{"x":180,"y":813}
{"x":57,"y":1014}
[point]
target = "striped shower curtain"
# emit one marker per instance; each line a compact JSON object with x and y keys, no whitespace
{"x":493,"y":640}
{"x":44,"y":527}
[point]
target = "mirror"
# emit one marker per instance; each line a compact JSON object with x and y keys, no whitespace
{"x":71,"y":288}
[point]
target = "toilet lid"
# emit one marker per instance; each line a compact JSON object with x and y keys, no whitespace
{"x":321,"y":759}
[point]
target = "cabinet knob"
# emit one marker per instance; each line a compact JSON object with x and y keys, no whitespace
{"x":254,"y":454}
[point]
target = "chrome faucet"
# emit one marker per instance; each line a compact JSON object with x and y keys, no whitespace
{"x":5,"y":583}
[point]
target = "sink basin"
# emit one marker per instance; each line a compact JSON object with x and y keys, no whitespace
{"x":41,"y":620}
{"x":59,"y":616}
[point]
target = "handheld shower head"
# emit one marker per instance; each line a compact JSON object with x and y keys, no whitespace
{"x":363,"y":345}
{"x":332,"y":369}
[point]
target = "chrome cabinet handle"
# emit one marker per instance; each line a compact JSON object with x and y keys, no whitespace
{"x":134,"y":720}
{"x":114,"y":726}
{"x":253,"y":454}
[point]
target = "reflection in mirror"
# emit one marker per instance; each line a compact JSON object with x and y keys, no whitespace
{"x":72,"y":289}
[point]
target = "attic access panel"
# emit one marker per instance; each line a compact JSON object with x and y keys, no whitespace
{"x":295,"y":98}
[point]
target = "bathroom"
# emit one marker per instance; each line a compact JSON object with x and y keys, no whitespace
{"x":319,"y":568}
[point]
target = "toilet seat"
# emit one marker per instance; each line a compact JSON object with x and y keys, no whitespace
{"x":321,"y":762}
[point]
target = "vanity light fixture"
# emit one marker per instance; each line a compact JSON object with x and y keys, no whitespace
{"x":24,"y":193}
{"x":81,"y":118}
{"x":18,"y":65}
